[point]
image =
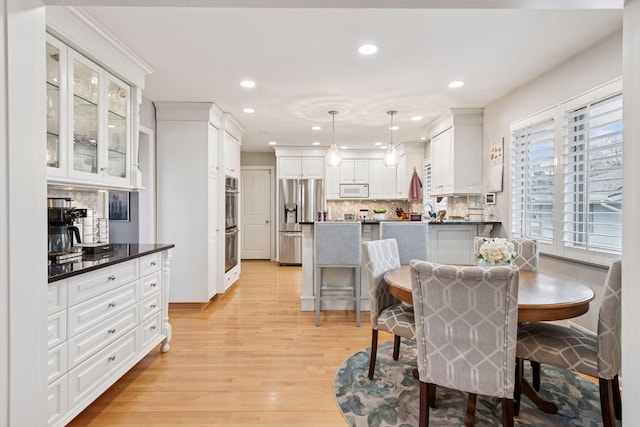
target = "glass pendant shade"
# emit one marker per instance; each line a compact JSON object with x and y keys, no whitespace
{"x":391,"y":157}
{"x":333,"y":157}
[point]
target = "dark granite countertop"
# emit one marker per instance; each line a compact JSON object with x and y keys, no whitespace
{"x":121,"y":252}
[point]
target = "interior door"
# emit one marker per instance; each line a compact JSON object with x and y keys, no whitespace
{"x":255,"y":193}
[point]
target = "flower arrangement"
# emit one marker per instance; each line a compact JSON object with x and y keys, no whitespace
{"x":497,"y":251}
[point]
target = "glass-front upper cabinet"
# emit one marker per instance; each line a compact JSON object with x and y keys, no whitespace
{"x":117,"y":126}
{"x":56,"y":96}
{"x":88,"y":121}
{"x":86,"y":112}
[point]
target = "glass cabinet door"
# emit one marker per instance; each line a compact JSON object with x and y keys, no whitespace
{"x":86,"y":97}
{"x":117,"y":101}
{"x":54,"y":81}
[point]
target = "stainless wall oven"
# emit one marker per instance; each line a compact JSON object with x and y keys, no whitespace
{"x":231,"y":196}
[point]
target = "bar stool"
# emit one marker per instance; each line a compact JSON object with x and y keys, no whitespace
{"x":412,"y":238}
{"x":337,"y":244}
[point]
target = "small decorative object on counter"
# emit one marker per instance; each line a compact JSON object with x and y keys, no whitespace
{"x":319,"y":216}
{"x":496,"y":251}
{"x":379,"y":214}
{"x":324,"y":215}
{"x":441,"y":215}
{"x":349,"y":217}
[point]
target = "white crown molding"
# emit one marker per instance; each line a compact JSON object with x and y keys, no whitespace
{"x":80,"y":31}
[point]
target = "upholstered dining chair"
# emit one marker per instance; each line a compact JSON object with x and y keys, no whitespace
{"x":412,"y":238}
{"x":597,"y":355}
{"x":527,"y":258}
{"x":387,"y":313}
{"x":527,"y":252}
{"x":466,"y":326}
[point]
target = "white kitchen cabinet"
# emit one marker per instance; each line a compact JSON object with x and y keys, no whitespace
{"x":456,"y":153}
{"x":89,"y":122}
{"x":402,"y":185}
{"x":231,"y":156}
{"x":107,"y":331}
{"x":194,"y":139}
{"x":301,"y":167}
{"x":354,"y":171}
{"x":382,"y":180}
{"x":332,"y":183}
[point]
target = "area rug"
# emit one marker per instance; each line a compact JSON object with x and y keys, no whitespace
{"x":391,"y":398}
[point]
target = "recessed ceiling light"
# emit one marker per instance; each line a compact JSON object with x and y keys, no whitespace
{"x":367,"y":49}
{"x":248,"y":83}
{"x":316,"y":127}
{"x":455,"y":84}
{"x":416,"y":118}
{"x":394,"y":127}
{"x":343,"y":147}
{"x":315,"y":143}
{"x":423,"y":138}
{"x":383,"y":147}
{"x":248,"y":110}
{"x":272,"y":143}
{"x":377,"y":143}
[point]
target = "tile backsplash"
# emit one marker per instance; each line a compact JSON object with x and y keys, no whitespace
{"x":337,"y":208}
{"x":89,"y":199}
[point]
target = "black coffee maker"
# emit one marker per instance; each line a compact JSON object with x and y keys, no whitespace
{"x":62,"y":231}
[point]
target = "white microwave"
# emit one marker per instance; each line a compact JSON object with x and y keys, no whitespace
{"x":354,"y":191}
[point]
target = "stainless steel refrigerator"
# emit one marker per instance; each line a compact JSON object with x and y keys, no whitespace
{"x":300,"y":201}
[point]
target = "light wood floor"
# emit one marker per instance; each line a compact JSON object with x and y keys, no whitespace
{"x":251,"y":358}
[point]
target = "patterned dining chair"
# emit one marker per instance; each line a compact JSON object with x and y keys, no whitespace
{"x":412,"y":238}
{"x":527,"y":252}
{"x":387,"y":312}
{"x":527,"y":258}
{"x":466,"y":326}
{"x":597,"y":355}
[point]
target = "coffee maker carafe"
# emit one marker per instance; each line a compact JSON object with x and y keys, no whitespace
{"x":61,"y":229}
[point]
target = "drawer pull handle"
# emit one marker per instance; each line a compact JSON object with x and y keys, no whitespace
{"x":112,"y":304}
{"x":112,"y":358}
{"x":153,"y":263}
{"x":153,"y":306}
{"x":153,"y":285}
{"x":153,"y":328}
{"x":112,"y":330}
{"x":112,"y":277}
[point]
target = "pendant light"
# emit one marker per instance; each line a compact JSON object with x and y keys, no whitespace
{"x":334,"y":157}
{"x":391,"y":157}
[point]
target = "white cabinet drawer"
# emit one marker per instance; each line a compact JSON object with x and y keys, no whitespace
{"x":150,"y":284}
{"x":150,"y":263}
{"x":150,"y":305}
{"x":56,"y":296}
{"x":56,"y":328}
{"x":56,"y":362}
{"x":95,"y":283}
{"x":57,"y":402}
{"x":84,"y":316}
{"x":101,"y":369}
{"x":84,"y":345}
{"x":150,"y":331}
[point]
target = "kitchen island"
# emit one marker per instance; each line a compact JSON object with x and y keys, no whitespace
{"x":105,"y":313}
{"x":449,"y":242}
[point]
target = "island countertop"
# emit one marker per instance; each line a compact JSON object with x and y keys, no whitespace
{"x":120,"y":252}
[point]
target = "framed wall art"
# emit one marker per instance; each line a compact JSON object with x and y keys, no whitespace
{"x":118,"y":206}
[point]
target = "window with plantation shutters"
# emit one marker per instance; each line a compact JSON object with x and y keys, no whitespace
{"x":532,"y":181}
{"x":566,"y":176}
{"x":592,"y":176}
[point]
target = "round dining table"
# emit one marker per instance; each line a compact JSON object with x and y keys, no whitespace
{"x":541,"y":296}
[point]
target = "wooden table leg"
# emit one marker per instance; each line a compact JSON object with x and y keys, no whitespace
{"x":544,"y":405}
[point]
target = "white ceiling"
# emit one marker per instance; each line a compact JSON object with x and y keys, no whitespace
{"x":305,"y":62}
